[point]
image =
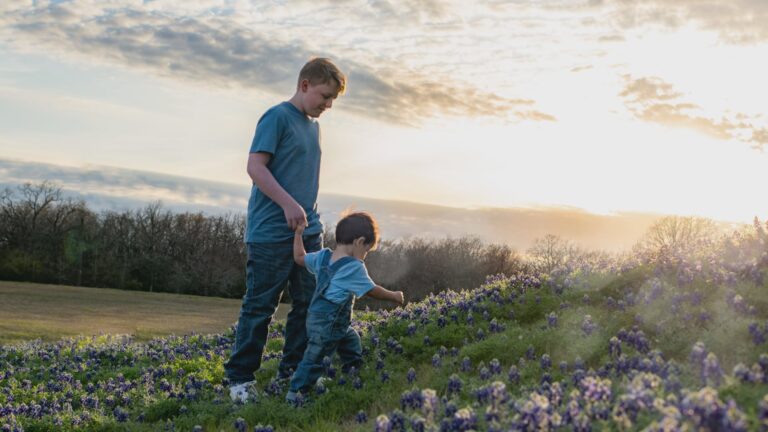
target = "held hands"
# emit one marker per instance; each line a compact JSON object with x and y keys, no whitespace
{"x":300,"y":229}
{"x":295,"y":216}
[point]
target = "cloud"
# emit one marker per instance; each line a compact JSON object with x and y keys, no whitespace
{"x":111,"y":187}
{"x":227,"y":47}
{"x":653,"y":100}
{"x":735,"y":21}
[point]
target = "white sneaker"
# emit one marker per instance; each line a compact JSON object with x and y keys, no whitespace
{"x":243,"y":392}
{"x":322,"y":380}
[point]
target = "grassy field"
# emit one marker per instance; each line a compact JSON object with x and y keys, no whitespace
{"x":50,"y":312}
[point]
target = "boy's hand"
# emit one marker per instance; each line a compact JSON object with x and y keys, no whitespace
{"x":300,"y":229}
{"x":295,"y":215}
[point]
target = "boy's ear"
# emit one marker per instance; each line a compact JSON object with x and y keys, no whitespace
{"x":360,"y":241}
{"x":304,"y":85}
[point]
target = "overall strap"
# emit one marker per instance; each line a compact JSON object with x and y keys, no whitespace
{"x":329,"y":270}
{"x":341,"y":262}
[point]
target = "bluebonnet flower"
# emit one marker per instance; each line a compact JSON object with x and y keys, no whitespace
{"x":120,"y":414}
{"x":241,"y":425}
{"x":614,"y":347}
{"x":495,"y":327}
{"x":513,"y":375}
{"x":758,"y":334}
{"x":429,"y":404}
{"x":411,"y":330}
{"x":411,"y":399}
{"x":463,"y":420}
{"x":552,"y":319}
{"x":485,"y":373}
{"x":454,"y":384}
{"x":411,"y":376}
{"x":436,"y":361}
{"x":397,"y":420}
{"x":466,"y":365}
{"x":762,"y":413}
{"x":450,"y":408}
{"x":545,"y":362}
{"x":587,"y":325}
{"x":698,"y":353}
{"x":418,"y":423}
{"x":711,"y":371}
{"x":742,"y":373}
{"x":383,"y":424}
{"x":495,"y":366}
{"x":708,"y":412}
{"x":361,"y":417}
{"x":530,"y":353}
{"x":578,"y":363}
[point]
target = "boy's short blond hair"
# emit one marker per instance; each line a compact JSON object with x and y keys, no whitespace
{"x":319,"y":70}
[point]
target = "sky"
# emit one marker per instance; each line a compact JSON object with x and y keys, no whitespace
{"x":607,"y":106}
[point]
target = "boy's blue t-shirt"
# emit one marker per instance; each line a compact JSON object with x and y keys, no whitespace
{"x":293,"y":140}
{"x":350,"y":278}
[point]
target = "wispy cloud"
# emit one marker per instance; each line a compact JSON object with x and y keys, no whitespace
{"x":651,"y":99}
{"x":736,"y":21}
{"x":227,"y":46}
{"x":112,"y":186}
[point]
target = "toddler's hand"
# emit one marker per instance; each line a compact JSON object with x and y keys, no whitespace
{"x":300,"y":229}
{"x":399,"y":298}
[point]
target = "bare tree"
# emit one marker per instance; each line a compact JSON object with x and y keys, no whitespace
{"x":550,"y":252}
{"x":677,"y":234}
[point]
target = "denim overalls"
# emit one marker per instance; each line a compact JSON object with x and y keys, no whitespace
{"x":328,"y":330}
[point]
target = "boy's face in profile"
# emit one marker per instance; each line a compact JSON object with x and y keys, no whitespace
{"x":318,"y":97}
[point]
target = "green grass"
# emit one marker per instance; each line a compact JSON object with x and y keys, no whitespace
{"x":51,"y":312}
{"x":525,"y":325}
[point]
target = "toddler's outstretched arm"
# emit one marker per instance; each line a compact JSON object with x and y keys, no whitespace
{"x":381,"y":293}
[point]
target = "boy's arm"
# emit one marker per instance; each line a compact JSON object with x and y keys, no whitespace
{"x":381,"y":293}
{"x":298,"y":246}
{"x":263,"y":178}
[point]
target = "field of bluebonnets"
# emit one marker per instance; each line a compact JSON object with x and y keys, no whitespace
{"x":670,"y":337}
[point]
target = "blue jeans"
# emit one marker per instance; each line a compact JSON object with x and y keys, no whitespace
{"x":329,"y":331}
{"x":269,"y":270}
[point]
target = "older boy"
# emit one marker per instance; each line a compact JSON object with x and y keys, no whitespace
{"x":341,"y":277}
{"x":284,"y":165}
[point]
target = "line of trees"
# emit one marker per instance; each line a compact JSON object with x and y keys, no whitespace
{"x":45,"y":237}
{"x":49,"y":238}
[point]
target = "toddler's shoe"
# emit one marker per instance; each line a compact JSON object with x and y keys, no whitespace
{"x":296,"y":399}
{"x":243,"y":392}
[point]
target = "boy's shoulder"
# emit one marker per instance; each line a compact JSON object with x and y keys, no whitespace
{"x":282,"y":110}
